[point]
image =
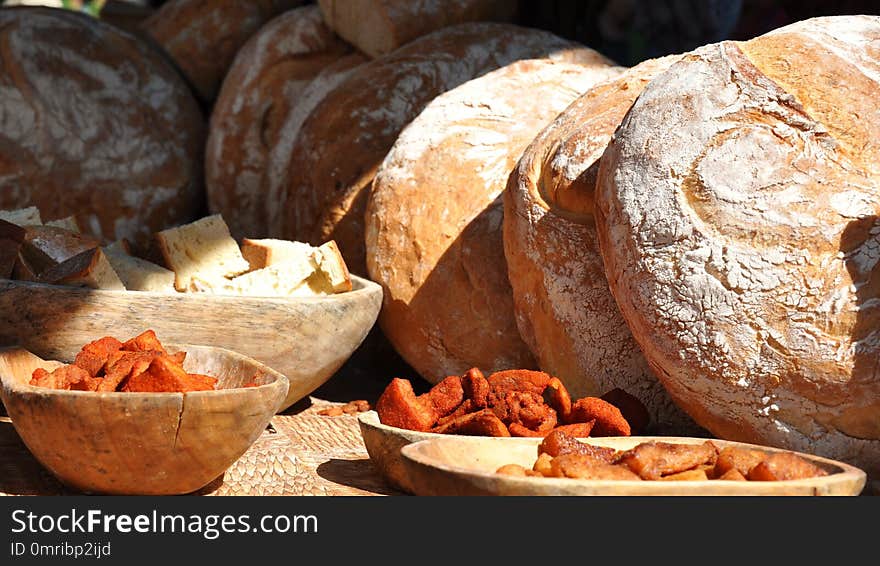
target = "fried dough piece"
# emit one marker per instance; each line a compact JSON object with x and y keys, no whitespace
{"x":466,"y":407}
{"x":519,"y":430}
{"x":144,"y":341}
{"x":633,"y":410}
{"x":481,"y":423}
{"x":512,"y":470}
{"x":444,"y":397}
{"x":398,"y":406}
{"x":697,"y":474}
{"x":124,"y":365}
{"x":557,"y":396}
{"x":652,"y":460}
{"x":732,"y":475}
{"x":577,"y":430}
{"x":68,"y":377}
{"x":558,"y":443}
{"x":93,"y":356}
{"x":165,"y":376}
{"x":527,"y":381}
{"x":739,"y":459}
{"x":527,"y":410}
{"x":476,"y":388}
{"x":608,"y":419}
{"x":542,"y":464}
{"x":780,"y":466}
{"x":585,"y":466}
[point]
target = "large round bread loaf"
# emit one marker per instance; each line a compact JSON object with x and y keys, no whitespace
{"x":321,"y":184}
{"x":263,"y":84}
{"x":378,"y":27}
{"x":203,"y":36}
{"x":97,"y":124}
{"x":564,"y":309}
{"x":738,"y":214}
{"x":433,"y":224}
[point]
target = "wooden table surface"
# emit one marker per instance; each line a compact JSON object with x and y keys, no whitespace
{"x":300,"y":453}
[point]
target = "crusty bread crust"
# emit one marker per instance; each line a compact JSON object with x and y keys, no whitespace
{"x":564,"y":309}
{"x":321,"y":184}
{"x":737,"y":215}
{"x":434,"y":220}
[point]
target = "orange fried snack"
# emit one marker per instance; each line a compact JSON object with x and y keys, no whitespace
{"x":732,"y":475}
{"x":556,"y":395}
{"x":481,"y":423}
{"x":476,"y":388}
{"x":526,"y":410}
{"x":69,"y":377}
{"x":609,"y":421}
{"x":398,"y":406}
{"x":634,"y":411}
{"x":124,"y":365}
{"x":558,"y":443}
{"x":444,"y":397}
{"x":780,"y":466}
{"x":577,"y":430}
{"x":144,"y":341}
{"x":653,"y":460}
{"x":165,"y":376}
{"x":93,"y":356}
{"x":740,"y":459}
{"x":586,"y":466}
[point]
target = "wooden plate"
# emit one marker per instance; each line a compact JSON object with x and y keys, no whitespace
{"x":305,"y":338}
{"x":466,"y":466}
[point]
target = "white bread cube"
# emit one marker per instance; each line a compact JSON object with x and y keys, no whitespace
{"x":202,"y":249}
{"x":278,"y":280}
{"x":68,"y":223}
{"x":332,"y":265}
{"x":29,"y":216}
{"x":268,"y":251}
{"x":87,"y":269}
{"x":331,"y":275}
{"x":138,"y":274}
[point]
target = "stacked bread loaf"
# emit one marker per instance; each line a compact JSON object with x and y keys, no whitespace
{"x":737,"y":215}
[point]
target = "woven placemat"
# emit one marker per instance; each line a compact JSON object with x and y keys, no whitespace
{"x":300,"y":453}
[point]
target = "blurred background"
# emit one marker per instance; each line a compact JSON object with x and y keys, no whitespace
{"x":627,"y":31}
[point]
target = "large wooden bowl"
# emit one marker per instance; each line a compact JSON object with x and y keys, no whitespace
{"x":460,"y":465}
{"x":305,"y":338}
{"x":142,"y":443}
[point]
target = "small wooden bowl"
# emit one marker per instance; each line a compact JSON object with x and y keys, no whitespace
{"x":305,"y":338}
{"x":142,"y":443}
{"x":459,"y":465}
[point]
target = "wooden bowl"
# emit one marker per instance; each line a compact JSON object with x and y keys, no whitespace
{"x":383,"y":444}
{"x":459,"y":465}
{"x":305,"y":338}
{"x":142,"y":443}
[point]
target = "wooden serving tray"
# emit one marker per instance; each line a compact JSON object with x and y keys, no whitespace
{"x":461,"y":465}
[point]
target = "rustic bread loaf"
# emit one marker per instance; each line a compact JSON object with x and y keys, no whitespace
{"x":564,"y":309}
{"x":738,"y":215}
{"x":203,"y":36}
{"x":433,"y":224}
{"x":378,"y":27}
{"x":98,"y":125}
{"x":320,"y":185}
{"x":264,"y":83}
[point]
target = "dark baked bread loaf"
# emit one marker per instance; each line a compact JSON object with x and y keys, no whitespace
{"x":320,"y":184}
{"x":95,"y":123}
{"x":203,"y":36}
{"x":264,"y":83}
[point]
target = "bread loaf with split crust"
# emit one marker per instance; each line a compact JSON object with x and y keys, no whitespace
{"x":434,"y":219}
{"x":321,"y":184}
{"x":96,"y":124}
{"x":264,"y":83}
{"x":564,"y":309}
{"x":738,"y":214}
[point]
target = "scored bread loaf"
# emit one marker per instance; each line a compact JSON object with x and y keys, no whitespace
{"x":434,"y":219}
{"x":100,"y":126}
{"x":738,"y":215}
{"x":320,"y":185}
{"x":564,"y":309}
{"x":265,"y":81}
{"x":378,"y":27}
{"x":202,"y":37}
{"x":203,"y":248}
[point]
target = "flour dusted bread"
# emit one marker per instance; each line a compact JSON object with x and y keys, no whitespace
{"x":320,"y":185}
{"x":203,"y":36}
{"x":378,"y":27}
{"x":203,"y":249}
{"x":265,"y":81}
{"x":738,"y":214}
{"x":98,"y":125}
{"x":564,"y":309}
{"x":433,"y":228}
